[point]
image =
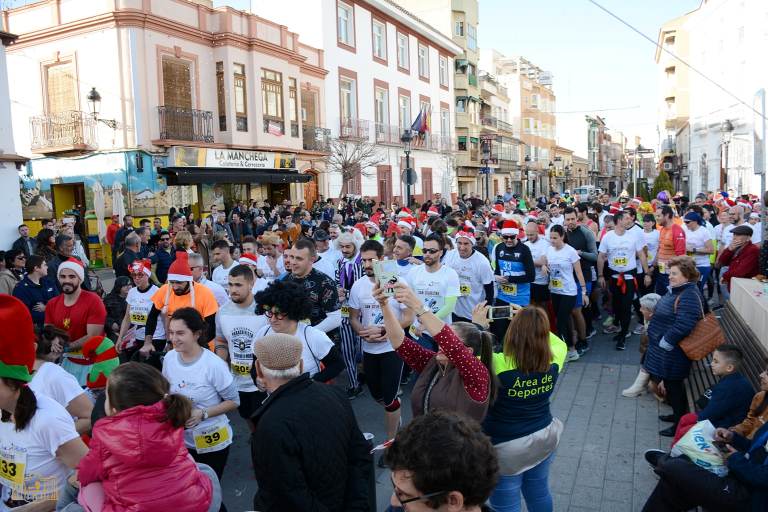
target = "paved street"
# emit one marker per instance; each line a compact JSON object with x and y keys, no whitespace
{"x":599,"y":465}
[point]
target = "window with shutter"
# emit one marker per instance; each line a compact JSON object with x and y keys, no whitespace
{"x":177,"y":83}
{"x":61,"y":88}
{"x":220,"y":96}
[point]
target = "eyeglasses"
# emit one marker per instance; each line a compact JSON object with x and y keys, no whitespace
{"x":269,"y":313}
{"x":21,"y":257}
{"x":430,"y":251}
{"x":423,"y":497}
{"x":508,"y":237}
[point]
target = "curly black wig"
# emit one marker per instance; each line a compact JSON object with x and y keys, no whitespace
{"x":288,"y":297}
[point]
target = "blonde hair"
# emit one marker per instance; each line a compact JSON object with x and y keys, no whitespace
{"x":183,"y":240}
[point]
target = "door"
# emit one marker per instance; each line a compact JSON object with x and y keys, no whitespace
{"x":426,"y":182}
{"x":309,"y":108}
{"x":278,"y":192}
{"x":176,"y":119}
{"x":310,"y":189}
{"x":384,"y":179}
{"x":68,"y":198}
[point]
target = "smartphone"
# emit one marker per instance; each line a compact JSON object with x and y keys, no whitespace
{"x":720,"y":445}
{"x":500,"y":313}
{"x":385,"y":273}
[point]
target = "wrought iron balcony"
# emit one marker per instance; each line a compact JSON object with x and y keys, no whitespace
{"x":316,"y":139}
{"x":353,"y":128}
{"x":387,"y":134}
{"x":72,"y":131}
{"x":185,"y":124}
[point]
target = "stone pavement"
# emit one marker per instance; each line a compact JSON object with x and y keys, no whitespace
{"x":599,"y":465}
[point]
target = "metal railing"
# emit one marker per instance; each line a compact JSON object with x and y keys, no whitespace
{"x":185,"y":124}
{"x":71,"y":129}
{"x":353,"y":128}
{"x":387,"y":133}
{"x":316,"y":138}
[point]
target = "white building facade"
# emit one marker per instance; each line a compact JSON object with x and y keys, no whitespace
{"x":384,"y":66}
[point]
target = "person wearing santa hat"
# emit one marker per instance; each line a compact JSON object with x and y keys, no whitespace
{"x":475,"y":275}
{"x":180,"y":292}
{"x":197,"y":266}
{"x":514,"y":272}
{"x":39,"y":445}
{"x":139,"y":302}
{"x":78,"y":312}
{"x":407,"y":226}
{"x":251,"y":261}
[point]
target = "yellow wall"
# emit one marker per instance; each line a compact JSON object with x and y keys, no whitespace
{"x":63,"y":198}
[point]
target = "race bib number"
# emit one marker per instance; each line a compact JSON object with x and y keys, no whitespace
{"x":620,"y":261}
{"x":557,"y":284}
{"x":212,"y":439}
{"x":241,"y":368}
{"x":465,"y":290}
{"x":509,"y":289}
{"x":138,"y":317}
{"x":12,"y":466}
{"x":345,"y":311}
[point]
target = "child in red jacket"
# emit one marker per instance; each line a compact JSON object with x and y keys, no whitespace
{"x":137,"y":458}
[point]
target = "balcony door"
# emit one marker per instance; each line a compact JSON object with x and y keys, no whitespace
{"x":309,"y":116}
{"x":176,"y":118}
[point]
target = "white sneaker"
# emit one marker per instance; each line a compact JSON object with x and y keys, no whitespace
{"x":640,"y":329}
{"x":572,"y":356}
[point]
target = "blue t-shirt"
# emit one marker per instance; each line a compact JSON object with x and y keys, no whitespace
{"x":522,"y":405}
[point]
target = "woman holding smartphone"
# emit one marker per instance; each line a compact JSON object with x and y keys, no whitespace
{"x":458,"y":376}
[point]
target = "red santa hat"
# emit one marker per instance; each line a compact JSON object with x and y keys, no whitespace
{"x":371,"y":226}
{"x":745,"y":204}
{"x":510,"y":227}
{"x":637,"y":200}
{"x":614,"y":209}
{"x":393,"y":229}
{"x":468,"y":226}
{"x":17,"y":340}
{"x":248,"y":258}
{"x":433,"y":212}
{"x":141,"y":267}
{"x":466,"y":234}
{"x":405,"y":212}
{"x":361,"y":228}
{"x":73,"y":264}
{"x":497,"y":209}
{"x":407,"y":222}
{"x":179,"y":269}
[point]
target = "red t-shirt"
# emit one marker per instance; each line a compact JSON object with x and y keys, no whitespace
{"x":75,"y":319}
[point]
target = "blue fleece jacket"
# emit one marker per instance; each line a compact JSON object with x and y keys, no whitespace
{"x":730,"y":401}
{"x":30,"y":294}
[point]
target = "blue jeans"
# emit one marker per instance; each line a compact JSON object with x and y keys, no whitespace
{"x":534,"y":485}
{"x":704,"y":271}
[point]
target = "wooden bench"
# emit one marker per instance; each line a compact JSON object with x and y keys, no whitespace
{"x":737,"y":333}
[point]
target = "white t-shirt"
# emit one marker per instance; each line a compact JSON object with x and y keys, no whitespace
{"x":202,"y":381}
{"x":220,"y":275}
{"x":560,"y":264}
{"x":637,"y":232}
{"x":219,"y":292}
{"x":266,"y":271}
{"x":698,"y":239}
{"x":474,"y":273}
{"x":317,"y":344}
{"x":434,"y":287}
{"x":559,"y":220}
{"x":621,"y":250}
{"x":728,"y":235}
{"x":652,"y":243}
{"x":139,"y":306}
{"x":327,"y":264}
{"x":55,"y":382}
{"x":538,"y":250}
{"x":361,"y":299}
{"x":34,"y":448}
{"x":757,"y":232}
{"x":239,"y":325}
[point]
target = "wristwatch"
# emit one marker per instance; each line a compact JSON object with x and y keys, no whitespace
{"x":423,"y":310}
{"x":205,"y":414}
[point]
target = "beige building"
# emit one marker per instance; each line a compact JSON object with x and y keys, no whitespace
{"x":169,"y":103}
{"x":459,"y":18}
{"x":581,"y":172}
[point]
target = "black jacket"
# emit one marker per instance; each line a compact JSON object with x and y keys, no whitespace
{"x":308,"y":453}
{"x":21,"y":245}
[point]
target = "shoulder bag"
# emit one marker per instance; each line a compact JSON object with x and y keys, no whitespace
{"x":705,"y":337}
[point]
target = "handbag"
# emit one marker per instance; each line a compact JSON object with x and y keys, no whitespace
{"x":705,"y":337}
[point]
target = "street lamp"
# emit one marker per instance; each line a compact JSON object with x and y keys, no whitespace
{"x":94,"y":100}
{"x":486,"y":170}
{"x":726,"y":131}
{"x":528,"y":176}
{"x":406,"y":139}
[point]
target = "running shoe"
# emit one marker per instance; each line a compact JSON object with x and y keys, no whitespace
{"x":353,"y":393}
{"x":582,"y":347}
{"x":608,"y":321}
{"x":640,"y":329}
{"x":573,"y":355}
{"x":611,"y":329}
{"x":620,"y":343}
{"x":592,"y":332}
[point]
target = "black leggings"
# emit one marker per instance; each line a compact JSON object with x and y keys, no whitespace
{"x":563,"y":305}
{"x":382,"y":374}
{"x":622,"y":303}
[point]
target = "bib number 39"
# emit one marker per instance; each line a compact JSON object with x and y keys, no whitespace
{"x":212,"y":439}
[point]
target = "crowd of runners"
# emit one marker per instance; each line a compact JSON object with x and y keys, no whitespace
{"x":122,"y":400}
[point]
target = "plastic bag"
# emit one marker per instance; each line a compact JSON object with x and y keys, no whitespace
{"x":697,"y":445}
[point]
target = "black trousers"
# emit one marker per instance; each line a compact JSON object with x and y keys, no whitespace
{"x":563,"y":306}
{"x":684,"y":486}
{"x":622,"y":303}
{"x":676,"y":396}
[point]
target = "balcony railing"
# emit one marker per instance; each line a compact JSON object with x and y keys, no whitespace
{"x":185,"y":124}
{"x":353,"y":128}
{"x":387,"y":134}
{"x":70,"y":131}
{"x":489,"y":121}
{"x":316,"y":139}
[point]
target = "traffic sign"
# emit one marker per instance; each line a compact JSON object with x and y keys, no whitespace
{"x":409,"y":177}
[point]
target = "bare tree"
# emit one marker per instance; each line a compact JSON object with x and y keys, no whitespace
{"x":348,"y":157}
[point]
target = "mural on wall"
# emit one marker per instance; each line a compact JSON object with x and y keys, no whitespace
{"x":143,"y":194}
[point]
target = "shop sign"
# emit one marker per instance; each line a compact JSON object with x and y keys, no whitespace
{"x":229,"y":158}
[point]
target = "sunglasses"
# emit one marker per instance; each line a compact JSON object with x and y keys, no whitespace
{"x":430,"y":251}
{"x":508,"y":237}
{"x":275,"y":314}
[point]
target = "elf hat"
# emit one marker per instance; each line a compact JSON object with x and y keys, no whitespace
{"x":510,"y":227}
{"x":101,"y":353}
{"x":248,"y":258}
{"x":466,"y":234}
{"x":74,"y":265}
{"x":17,"y":340}
{"x":179,"y":269}
{"x":432,"y":212}
{"x":141,"y":267}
